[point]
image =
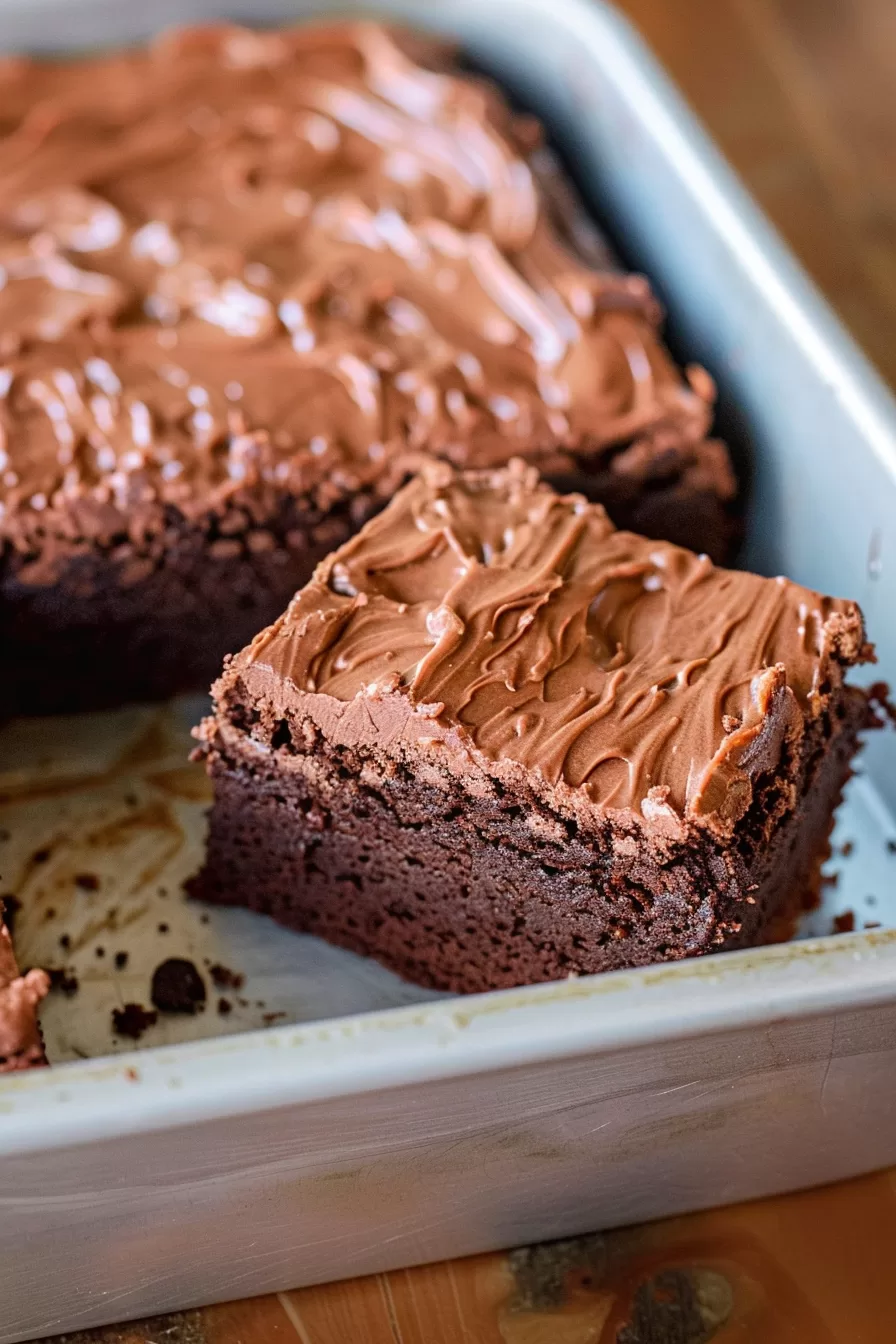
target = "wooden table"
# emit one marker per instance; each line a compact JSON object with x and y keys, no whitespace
{"x":801,"y":94}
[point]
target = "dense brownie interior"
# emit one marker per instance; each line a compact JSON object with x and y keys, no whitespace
{"x":495,"y":741}
{"x":252,"y":281}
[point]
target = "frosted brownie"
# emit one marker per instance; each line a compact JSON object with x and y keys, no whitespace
{"x":251,"y":281}
{"x":495,"y":741}
{"x":20,"y":995}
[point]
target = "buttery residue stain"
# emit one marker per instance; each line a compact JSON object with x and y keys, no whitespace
{"x":598,"y":1289}
{"x":683,"y":1306}
{"x":559,"y":1294}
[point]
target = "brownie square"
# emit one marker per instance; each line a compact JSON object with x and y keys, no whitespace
{"x":251,"y":282}
{"x":497,"y":741}
{"x":20,"y":1041}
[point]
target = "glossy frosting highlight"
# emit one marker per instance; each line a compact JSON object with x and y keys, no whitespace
{"x":524,"y":628}
{"x":299,"y":262}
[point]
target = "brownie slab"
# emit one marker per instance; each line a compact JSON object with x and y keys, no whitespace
{"x":251,"y":282}
{"x":497,"y":741}
{"x":20,"y":1042}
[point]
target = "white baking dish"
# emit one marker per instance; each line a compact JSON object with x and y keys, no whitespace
{"x":351,"y":1139}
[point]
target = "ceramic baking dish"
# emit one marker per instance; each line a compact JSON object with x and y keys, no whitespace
{"x":370,"y":1125}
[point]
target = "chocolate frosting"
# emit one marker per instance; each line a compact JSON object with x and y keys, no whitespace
{"x":238,"y":263}
{"x":486,"y":615}
{"x":20,"y":1043}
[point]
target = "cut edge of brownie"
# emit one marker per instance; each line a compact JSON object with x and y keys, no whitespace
{"x":492,"y":876}
{"x":148,"y":619}
{"x":390,"y":868}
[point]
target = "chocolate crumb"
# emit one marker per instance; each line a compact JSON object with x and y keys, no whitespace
{"x":10,"y":906}
{"x":65,"y":941}
{"x":879,"y":694}
{"x":872,"y":924}
{"x":49,"y":914}
{"x":846,"y":848}
{"x":121,"y":960}
{"x":203,"y":919}
{"x":41,"y":855}
{"x":63,"y":980}
{"x":163,"y":928}
{"x":268,"y":1018}
{"x":87,"y":881}
{"x":177,"y":987}
{"x":100,"y":951}
{"x":225,"y":1007}
{"x":130,"y":799}
{"x":225,"y":978}
{"x":132,"y":1020}
{"x":845,"y":923}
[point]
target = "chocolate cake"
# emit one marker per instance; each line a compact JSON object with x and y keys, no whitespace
{"x":251,"y":281}
{"x":20,"y":1043}
{"x":496,"y":741}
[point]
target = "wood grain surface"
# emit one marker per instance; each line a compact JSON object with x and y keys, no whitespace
{"x":801,"y":94}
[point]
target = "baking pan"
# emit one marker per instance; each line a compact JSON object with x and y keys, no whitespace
{"x":341,"y":1122}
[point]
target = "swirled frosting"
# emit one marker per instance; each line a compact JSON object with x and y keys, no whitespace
{"x":485,"y":616}
{"x":296,"y":261}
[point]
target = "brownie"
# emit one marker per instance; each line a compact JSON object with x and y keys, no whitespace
{"x":252,"y":281}
{"x":20,"y":1041}
{"x":496,"y":741}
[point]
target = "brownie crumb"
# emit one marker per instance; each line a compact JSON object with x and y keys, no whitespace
{"x":65,"y":941}
{"x":225,"y":1007}
{"x":177,"y":987}
{"x":63,"y":980}
{"x":268,"y":1018}
{"x":49,"y":914}
{"x":87,"y":881}
{"x":847,"y":848}
{"x":100,"y":951}
{"x":880,"y":696}
{"x":845,"y":923}
{"x":163,"y":928}
{"x":41,"y":855}
{"x":132,"y":1020}
{"x":121,"y":960}
{"x":225,"y":978}
{"x":9,"y":907}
